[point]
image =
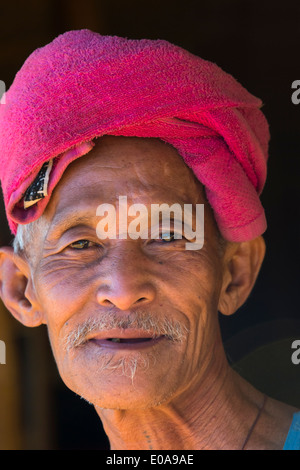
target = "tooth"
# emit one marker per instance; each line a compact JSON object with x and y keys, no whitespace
{"x":116,"y":340}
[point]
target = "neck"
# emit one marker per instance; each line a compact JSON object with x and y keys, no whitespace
{"x":215,"y":412}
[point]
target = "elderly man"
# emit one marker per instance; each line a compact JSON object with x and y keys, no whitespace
{"x":133,"y":320}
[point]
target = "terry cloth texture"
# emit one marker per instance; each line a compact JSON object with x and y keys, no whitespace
{"x":84,"y":85}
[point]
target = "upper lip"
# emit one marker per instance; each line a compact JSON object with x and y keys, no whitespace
{"x":122,"y":334}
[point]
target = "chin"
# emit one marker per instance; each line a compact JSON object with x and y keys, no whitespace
{"x":130,"y":382}
{"x":132,"y":401}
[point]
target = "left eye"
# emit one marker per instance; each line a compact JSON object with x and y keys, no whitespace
{"x":80,"y":245}
{"x":167,"y":237}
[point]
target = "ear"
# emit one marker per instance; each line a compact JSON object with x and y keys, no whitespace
{"x":16,"y":288}
{"x":242,"y":263}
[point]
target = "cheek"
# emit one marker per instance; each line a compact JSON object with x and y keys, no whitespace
{"x":61,"y":282}
{"x":194,"y":277}
{"x":63,"y":292}
{"x":193,"y":284}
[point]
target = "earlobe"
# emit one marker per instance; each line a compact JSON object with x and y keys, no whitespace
{"x":16,"y":288}
{"x":241,"y":267}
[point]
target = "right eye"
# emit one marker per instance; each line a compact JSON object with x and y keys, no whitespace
{"x":167,"y":237}
{"x":80,"y":245}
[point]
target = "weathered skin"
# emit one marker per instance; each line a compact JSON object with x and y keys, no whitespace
{"x":183,"y":395}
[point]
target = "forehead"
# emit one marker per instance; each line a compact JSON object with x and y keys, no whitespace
{"x":142,"y":169}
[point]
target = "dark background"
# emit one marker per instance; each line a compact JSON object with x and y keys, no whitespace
{"x":258,"y":42}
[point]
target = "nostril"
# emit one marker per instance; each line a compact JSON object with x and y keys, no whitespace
{"x":124,"y":297}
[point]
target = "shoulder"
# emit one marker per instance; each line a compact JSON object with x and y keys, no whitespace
{"x":276,"y":422}
{"x":292,"y":441}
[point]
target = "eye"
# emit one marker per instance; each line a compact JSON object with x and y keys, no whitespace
{"x":167,"y":237}
{"x":81,"y":245}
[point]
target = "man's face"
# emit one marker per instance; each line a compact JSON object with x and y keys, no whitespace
{"x":141,"y":290}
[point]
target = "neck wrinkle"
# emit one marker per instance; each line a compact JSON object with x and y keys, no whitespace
{"x":198,"y":418}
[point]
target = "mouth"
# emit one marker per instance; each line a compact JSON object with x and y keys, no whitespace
{"x":128,"y":339}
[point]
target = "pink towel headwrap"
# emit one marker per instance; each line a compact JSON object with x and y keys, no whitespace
{"x":84,"y":85}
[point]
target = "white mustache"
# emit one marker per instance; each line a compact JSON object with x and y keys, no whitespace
{"x":143,"y":320}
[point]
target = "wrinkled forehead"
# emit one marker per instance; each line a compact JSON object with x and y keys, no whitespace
{"x":143,"y":169}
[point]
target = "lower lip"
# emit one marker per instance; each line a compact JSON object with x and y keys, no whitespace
{"x":136,"y":345}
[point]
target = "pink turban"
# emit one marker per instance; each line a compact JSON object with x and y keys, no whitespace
{"x":83,"y":85}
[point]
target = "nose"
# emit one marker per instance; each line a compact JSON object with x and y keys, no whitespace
{"x":127,"y":283}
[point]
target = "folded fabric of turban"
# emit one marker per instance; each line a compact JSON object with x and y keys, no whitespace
{"x":84,"y":85}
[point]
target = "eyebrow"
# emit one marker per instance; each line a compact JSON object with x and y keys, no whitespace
{"x":64,"y":221}
{"x":60,"y":224}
